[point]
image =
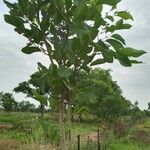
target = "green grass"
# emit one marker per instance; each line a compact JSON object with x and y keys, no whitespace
{"x":83,"y":128}
{"x":27,"y":128}
{"x":121,"y":146}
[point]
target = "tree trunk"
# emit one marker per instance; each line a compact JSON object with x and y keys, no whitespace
{"x":63,"y":145}
{"x":69,"y":126}
{"x":42,"y":110}
{"x":72,"y":115}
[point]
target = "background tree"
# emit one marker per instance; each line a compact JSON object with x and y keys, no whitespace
{"x":136,"y":113}
{"x":32,"y":89}
{"x":74,"y":34}
{"x":147,"y":112}
{"x":91,"y":91}
{"x":26,"y":106}
{"x":7,"y":102}
{"x":149,"y":106}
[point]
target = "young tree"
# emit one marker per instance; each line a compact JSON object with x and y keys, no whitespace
{"x":74,"y":34}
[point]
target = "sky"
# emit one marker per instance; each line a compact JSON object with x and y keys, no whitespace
{"x":16,"y":67}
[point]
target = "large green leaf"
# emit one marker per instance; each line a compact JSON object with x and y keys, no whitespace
{"x":63,"y":72}
{"x":107,"y":55}
{"x":24,"y":5}
{"x":98,"y":62}
{"x":128,"y":51}
{"x":9,"y":5}
{"x":135,"y":61}
{"x":125,"y":26}
{"x":45,"y":24}
{"x":124,"y":60}
{"x":75,"y":44}
{"x":119,"y":37}
{"x":40,"y":98}
{"x":124,"y":15}
{"x":121,"y":25}
{"x":15,"y":21}
{"x":30,"y":50}
{"x":115,"y":44}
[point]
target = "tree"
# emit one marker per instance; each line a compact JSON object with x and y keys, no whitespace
{"x":95,"y":93}
{"x":149,"y":106}
{"x":26,"y":106}
{"x":72,"y":33}
{"x":112,"y":107}
{"x":33,"y":89}
{"x":7,"y":102}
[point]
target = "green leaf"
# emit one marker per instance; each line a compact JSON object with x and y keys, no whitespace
{"x":128,"y":51}
{"x":119,"y":37}
{"x":115,"y":44}
{"x":97,"y":62}
{"x":30,"y":50}
{"x":75,"y":44}
{"x":125,"y":26}
{"x":45,"y":23}
{"x":35,"y":33}
{"x":63,"y":72}
{"x":107,"y":55}
{"x":40,"y":98}
{"x":124,"y":15}
{"x":15,"y":21}
{"x":109,"y":2}
{"x":120,"y":25}
{"x":84,"y":37}
{"x":124,"y":60}
{"x":9,"y":5}
{"x":24,"y":5}
{"x":135,"y":62}
{"x":32,"y":11}
{"x":111,"y":18}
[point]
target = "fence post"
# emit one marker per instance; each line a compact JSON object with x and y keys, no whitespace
{"x":98,"y":142}
{"x":78,"y":137}
{"x":69,"y":135}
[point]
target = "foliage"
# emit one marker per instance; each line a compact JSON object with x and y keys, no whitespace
{"x":7,"y":102}
{"x":61,"y":30}
{"x":136,"y":113}
{"x":96,"y":93}
{"x":32,"y":89}
{"x":26,"y":106}
{"x":112,"y":107}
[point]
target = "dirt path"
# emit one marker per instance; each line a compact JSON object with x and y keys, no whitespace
{"x":92,"y":136}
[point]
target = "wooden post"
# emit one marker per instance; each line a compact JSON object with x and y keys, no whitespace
{"x":78,"y":137}
{"x":98,"y":142}
{"x":69,"y":135}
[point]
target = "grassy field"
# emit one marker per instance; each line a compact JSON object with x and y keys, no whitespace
{"x":25,"y":131}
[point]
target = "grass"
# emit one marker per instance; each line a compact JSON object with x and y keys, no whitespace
{"x":121,"y":146}
{"x":30,"y":132}
{"x":83,"y":128}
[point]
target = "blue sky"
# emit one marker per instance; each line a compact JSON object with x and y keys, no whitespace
{"x":16,"y":67}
